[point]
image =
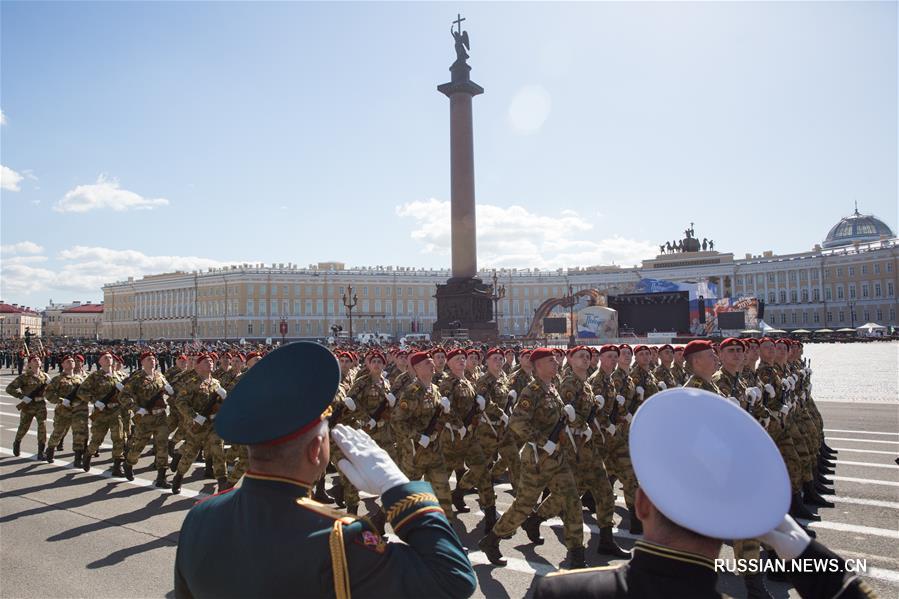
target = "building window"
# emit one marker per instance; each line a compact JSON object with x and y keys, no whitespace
{"x":399,"y":292}
{"x":892,"y":314}
{"x":877,"y":290}
{"x":792,"y":318}
{"x":852,"y":315}
{"x":839,"y":293}
{"x":793,"y":295}
{"x":842,"y":316}
{"x":783,"y":296}
{"x":851,"y":271}
{"x":771,"y":299}
{"x":308,"y":310}
{"x":816,"y":317}
{"x":877,"y":268}
{"x":816,"y":295}
{"x":867,"y":316}
{"x":839,"y":272}
{"x":889,"y":290}
{"x":865,"y":290}
{"x":827,"y":294}
{"x":864,"y":269}
{"x":365,"y":291}
{"x":852,"y":292}
{"x":804,"y":317}
{"x":889,"y":267}
{"x":879,"y":314}
{"x":830,"y":317}
{"x":249,"y":328}
{"x":804,"y":295}
{"x":320,"y":306}
{"x":783,"y":318}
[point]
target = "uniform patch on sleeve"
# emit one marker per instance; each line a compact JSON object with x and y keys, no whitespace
{"x":371,"y":541}
{"x":404,"y":405}
{"x":525,"y":404}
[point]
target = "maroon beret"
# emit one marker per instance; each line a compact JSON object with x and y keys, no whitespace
{"x":697,"y":345}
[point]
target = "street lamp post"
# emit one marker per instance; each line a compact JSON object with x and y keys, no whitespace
{"x":571,"y":340}
{"x":852,"y":314}
{"x":349,"y":301}
{"x":497,"y":293}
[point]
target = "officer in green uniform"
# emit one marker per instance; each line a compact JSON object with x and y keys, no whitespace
{"x":69,"y":412}
{"x":30,"y":387}
{"x":292,"y":545}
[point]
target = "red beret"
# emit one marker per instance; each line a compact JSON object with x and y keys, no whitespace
{"x":474,"y":352}
{"x":494,"y":351}
{"x":182,"y":357}
{"x":146,"y":354}
{"x":213,"y":355}
{"x":509,"y":351}
{"x":375,"y":354}
{"x":697,"y":345}
{"x":105,"y":353}
{"x":79,"y":357}
{"x":34,"y":356}
{"x":525,"y":353}
{"x":254,"y":354}
{"x":639,"y":348}
{"x":764,"y":340}
{"x":625,"y":346}
{"x":576,"y":349}
{"x":118,"y":359}
{"x":455,"y":352}
{"x":750,"y":341}
{"x":438,"y":350}
{"x":204,"y":356}
{"x":419,"y":356}
{"x":541,"y":352}
{"x":68,"y":357}
{"x":608,"y":347}
{"x":679,"y":349}
{"x":557,"y":351}
{"x":783,"y":341}
{"x":732,"y":341}
{"x":239,"y":356}
{"x":666,"y":346}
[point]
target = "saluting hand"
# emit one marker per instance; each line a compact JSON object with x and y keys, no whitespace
{"x":368,"y":467}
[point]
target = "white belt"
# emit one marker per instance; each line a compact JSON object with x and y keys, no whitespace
{"x":158,"y":411}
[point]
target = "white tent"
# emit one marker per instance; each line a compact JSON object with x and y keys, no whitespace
{"x":765,"y":327}
{"x":871,"y":326}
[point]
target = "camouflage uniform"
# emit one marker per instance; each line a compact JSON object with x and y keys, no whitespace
{"x":35,"y":387}
{"x":177,"y":427}
{"x":145,"y":393}
{"x":768,"y":374}
{"x":101,"y":387}
{"x":618,"y":457}
{"x":459,"y":439}
{"x":586,"y":459}
{"x":63,"y":390}
{"x":415,"y":409}
{"x":665,"y":375}
{"x":536,"y":415}
{"x":493,"y":433}
{"x":370,"y":396}
{"x":200,"y":396}
{"x":342,"y":415}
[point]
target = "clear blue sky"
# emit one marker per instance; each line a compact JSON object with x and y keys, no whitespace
{"x":143,"y":137}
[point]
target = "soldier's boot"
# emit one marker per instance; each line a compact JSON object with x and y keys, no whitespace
{"x":822,"y":490}
{"x":828,"y":448}
{"x":531,"y":527}
{"x":636,"y":527}
{"x":607,"y":544}
{"x":824,"y":468}
{"x":129,"y":470}
{"x":755,"y":587}
{"x":490,"y":546}
{"x":176,"y":483}
{"x":171,"y":448}
{"x":175,"y":460}
{"x":320,"y":495}
{"x":40,"y":451}
{"x":117,"y":467}
{"x":59,"y":446}
{"x":798,"y":509}
{"x":811,"y":497}
{"x":588,"y":502}
{"x":224,"y":484}
{"x":161,"y":482}
{"x":86,"y":462}
{"x":489,"y":518}
{"x":379,"y":520}
{"x":575,"y":559}
{"x":352,"y":509}
{"x":458,"y":497}
{"x":97,"y":453}
{"x":823,"y":480}
{"x":207,"y":469}
{"x":807,"y":530}
{"x":79,"y":455}
{"x":49,"y":455}
{"x":337,"y":493}
{"x":16,"y":447}
{"x":200,"y":457}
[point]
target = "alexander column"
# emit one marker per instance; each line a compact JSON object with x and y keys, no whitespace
{"x":464,"y":302}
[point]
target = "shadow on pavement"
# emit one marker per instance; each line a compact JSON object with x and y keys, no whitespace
{"x":117,"y":557}
{"x":487,"y":585}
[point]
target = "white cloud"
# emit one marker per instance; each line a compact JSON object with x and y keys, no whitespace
{"x":105,"y":193}
{"x":2,"y":118}
{"x":9,"y":179}
{"x":517,"y":238}
{"x":85,"y":269}
{"x":530,"y":108}
{"x":22,"y":247}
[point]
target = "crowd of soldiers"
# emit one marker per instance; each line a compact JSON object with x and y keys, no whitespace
{"x":552,"y":422}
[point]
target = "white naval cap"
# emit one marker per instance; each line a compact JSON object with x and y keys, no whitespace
{"x":708,"y":466}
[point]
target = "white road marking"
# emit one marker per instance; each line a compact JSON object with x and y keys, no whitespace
{"x":861,"y":501}
{"x":868,"y":465}
{"x":840,"y":430}
{"x":863,"y":440}
{"x":865,"y":481}
{"x":34,"y":434}
{"x":864,"y":451}
{"x":865,"y":530}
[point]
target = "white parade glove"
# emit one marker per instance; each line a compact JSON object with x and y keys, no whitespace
{"x":504,"y":418}
{"x":640,"y":391}
{"x":350,"y":403}
{"x":734,"y":401}
{"x":26,"y":399}
{"x":569,"y":411}
{"x":221,"y":391}
{"x":662,"y":385}
{"x":372,"y":423}
{"x":769,"y":389}
{"x":513,"y":394}
{"x":588,"y":434}
{"x":142,"y":412}
{"x":168,"y":389}
{"x":200,"y":419}
{"x":611,"y":429}
{"x":600,"y":400}
{"x":482,"y":403}
{"x":788,"y":539}
{"x":119,"y":386}
{"x":785,"y":409}
{"x":445,"y":404}
{"x":628,"y":417}
{"x":99,"y":405}
{"x":66,"y":403}
{"x":424,"y":441}
{"x":765,"y":422}
{"x":620,"y":400}
{"x":750,"y":394}
{"x":549,"y":447}
{"x":367,"y":466}
{"x":391,"y":399}
{"x":462,"y":431}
